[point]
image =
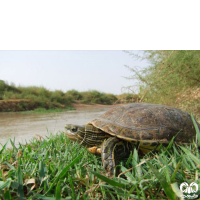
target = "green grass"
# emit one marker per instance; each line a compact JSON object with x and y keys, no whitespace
{"x":44,"y":110}
{"x":56,"y":168}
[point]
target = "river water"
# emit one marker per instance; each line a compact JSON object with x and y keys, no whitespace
{"x":24,"y":126}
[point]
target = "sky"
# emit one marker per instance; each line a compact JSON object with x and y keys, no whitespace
{"x":65,"y":70}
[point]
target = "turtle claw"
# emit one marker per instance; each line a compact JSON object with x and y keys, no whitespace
{"x":108,"y":165}
{"x":94,"y":150}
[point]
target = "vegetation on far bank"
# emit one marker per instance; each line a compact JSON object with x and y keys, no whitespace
{"x":14,"y":98}
{"x":56,"y":168}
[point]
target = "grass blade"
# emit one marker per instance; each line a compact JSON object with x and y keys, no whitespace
{"x":72,"y":187}
{"x":176,"y":189}
{"x":41,"y":197}
{"x":135,"y":162}
{"x":129,"y":159}
{"x":41,"y":171}
{"x":13,"y":145}
{"x":20,"y":183}
{"x":4,"y":146}
{"x":108,"y":180}
{"x":197,"y":131}
{"x":121,"y":193}
{"x":171,"y":142}
{"x":64,"y":171}
{"x":166,"y":186}
{"x":58,"y":191}
{"x":191,"y":155}
{"x":128,"y":174}
{"x":5,"y":184}
{"x":173,"y":176}
{"x":7,"y":195}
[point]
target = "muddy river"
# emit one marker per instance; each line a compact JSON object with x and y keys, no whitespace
{"x":24,"y":126}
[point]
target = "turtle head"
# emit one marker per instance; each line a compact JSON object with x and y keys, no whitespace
{"x":87,"y":134}
{"x":75,"y":132}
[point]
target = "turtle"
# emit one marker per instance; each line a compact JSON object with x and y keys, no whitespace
{"x":142,"y":126}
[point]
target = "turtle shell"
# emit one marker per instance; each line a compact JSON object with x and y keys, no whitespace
{"x":147,"y":122}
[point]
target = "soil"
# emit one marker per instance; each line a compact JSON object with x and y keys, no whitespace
{"x":15,"y":105}
{"x":81,"y":105}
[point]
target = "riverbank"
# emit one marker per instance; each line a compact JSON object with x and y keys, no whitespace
{"x":17,"y":105}
{"x":25,"y":105}
{"x":15,"y":99}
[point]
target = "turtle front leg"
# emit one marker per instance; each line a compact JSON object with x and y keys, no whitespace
{"x":113,"y":148}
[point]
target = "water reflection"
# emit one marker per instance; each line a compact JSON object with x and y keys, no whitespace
{"x":25,"y":126}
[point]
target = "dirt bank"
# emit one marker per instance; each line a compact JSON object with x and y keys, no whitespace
{"x":15,"y":105}
{"x":81,"y":105}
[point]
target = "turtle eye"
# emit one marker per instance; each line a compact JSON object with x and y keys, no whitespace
{"x":74,"y":129}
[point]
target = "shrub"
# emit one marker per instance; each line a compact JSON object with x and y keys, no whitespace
{"x":41,"y":97}
{"x":74,"y":95}
{"x":96,"y":97}
{"x":170,"y":76}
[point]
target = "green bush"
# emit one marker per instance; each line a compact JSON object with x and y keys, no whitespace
{"x":2,"y":86}
{"x":57,"y":96}
{"x":96,"y":97}
{"x":40,"y":97}
{"x":11,"y":95}
{"x":74,"y":95}
{"x":128,"y":98}
{"x":172,"y":78}
{"x":90,"y":97}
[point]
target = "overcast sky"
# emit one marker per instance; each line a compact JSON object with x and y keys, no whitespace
{"x":65,"y":70}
